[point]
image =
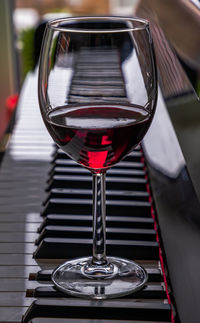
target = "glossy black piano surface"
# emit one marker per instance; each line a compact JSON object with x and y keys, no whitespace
{"x":153,"y":217}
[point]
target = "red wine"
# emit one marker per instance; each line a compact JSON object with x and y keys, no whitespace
{"x":98,"y":136}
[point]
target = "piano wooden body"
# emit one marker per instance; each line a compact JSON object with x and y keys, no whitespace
{"x":153,"y":217}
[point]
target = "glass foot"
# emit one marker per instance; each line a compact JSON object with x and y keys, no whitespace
{"x":117,"y":278}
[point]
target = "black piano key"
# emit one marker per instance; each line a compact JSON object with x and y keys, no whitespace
{"x":58,"y":170}
{"x":97,"y":82}
{"x":86,"y":193}
{"x":122,"y":165}
{"x":87,"y":99}
{"x":86,"y":232}
{"x":154,"y":275}
{"x":95,"y":91}
{"x":59,"y":153}
{"x":65,"y":248}
{"x":151,"y":291}
{"x":65,"y":320}
{"x":42,"y":275}
{"x":86,"y":220}
{"x":133,"y":156}
{"x":96,"y":58}
{"x":124,"y":309}
{"x":96,"y":65}
{"x":84,"y":206}
{"x":119,"y":183}
{"x":100,"y":73}
{"x":63,"y":161}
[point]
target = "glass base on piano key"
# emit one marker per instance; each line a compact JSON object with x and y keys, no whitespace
{"x":119,"y":277}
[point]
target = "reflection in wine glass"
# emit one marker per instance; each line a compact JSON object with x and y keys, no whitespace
{"x":97,"y":94}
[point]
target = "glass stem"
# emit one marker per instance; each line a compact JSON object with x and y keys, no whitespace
{"x":99,"y":220}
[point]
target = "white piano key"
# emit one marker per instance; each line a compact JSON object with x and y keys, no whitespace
{"x":17,"y":237}
{"x":17,"y":260}
{"x":21,"y":217}
{"x":14,"y":298}
{"x":19,"y":227}
{"x":18,"y":271}
{"x":20,"y":284}
{"x":16,"y":247}
{"x":12,"y":314}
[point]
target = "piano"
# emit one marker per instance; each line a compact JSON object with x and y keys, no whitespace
{"x":153,"y":215}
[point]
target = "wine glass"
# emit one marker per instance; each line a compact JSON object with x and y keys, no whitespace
{"x":97,"y":94}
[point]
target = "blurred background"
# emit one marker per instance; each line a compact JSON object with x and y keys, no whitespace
{"x":22,"y":25}
{"x":29,"y":14}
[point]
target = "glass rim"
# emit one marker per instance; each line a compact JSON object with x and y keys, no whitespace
{"x":54,"y":24}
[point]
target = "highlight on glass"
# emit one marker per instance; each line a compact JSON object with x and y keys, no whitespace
{"x":97,"y":92}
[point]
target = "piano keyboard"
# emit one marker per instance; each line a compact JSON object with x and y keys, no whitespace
{"x":45,"y":218}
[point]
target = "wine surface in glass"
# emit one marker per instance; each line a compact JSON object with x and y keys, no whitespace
{"x":98,"y":136}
